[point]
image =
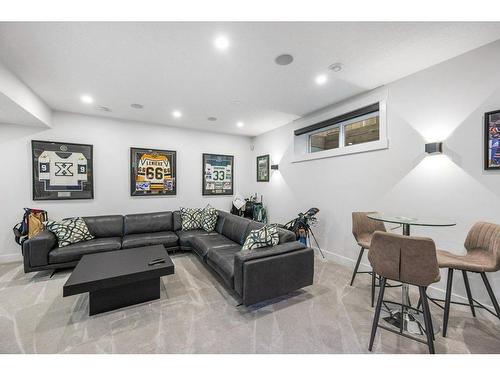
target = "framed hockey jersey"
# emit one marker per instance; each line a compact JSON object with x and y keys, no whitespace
{"x":218,"y":172}
{"x":62,"y":171}
{"x":152,"y":172}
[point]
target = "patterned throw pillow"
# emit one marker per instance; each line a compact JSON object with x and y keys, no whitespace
{"x":209,"y":218}
{"x":266,"y":236}
{"x":191,"y":218}
{"x":69,"y":231}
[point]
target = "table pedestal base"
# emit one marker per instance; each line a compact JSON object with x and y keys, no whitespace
{"x":406,"y":320}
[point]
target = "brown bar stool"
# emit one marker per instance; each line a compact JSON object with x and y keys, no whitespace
{"x":410,"y":260}
{"x":483,"y":255}
{"x":363,"y":228}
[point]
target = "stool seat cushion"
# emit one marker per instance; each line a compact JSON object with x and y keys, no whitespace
{"x":476,"y":260}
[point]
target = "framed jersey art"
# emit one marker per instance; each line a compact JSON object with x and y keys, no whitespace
{"x":152,"y":172}
{"x":62,"y":171}
{"x":217,"y":174}
{"x":492,"y":140}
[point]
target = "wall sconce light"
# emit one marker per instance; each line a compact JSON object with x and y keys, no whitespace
{"x":434,"y":148}
{"x":274,"y":167}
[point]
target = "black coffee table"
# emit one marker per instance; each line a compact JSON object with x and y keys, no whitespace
{"x":119,"y":278}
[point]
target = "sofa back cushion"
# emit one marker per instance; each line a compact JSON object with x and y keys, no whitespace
{"x":235,"y":228}
{"x":105,"y":226}
{"x":148,"y":223}
{"x":177,"y":220}
{"x":286,"y":235}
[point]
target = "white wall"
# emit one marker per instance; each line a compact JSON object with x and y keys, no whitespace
{"x":112,"y":140}
{"x":27,"y":103}
{"x":445,"y":102}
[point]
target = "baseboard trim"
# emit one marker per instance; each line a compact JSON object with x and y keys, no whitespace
{"x":9,"y":258}
{"x":434,"y":291}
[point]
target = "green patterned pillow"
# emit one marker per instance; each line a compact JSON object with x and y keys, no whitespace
{"x":191,"y":218}
{"x":263,"y":237}
{"x":69,"y":231}
{"x":209,"y":218}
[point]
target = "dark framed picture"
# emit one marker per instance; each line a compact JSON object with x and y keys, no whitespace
{"x":492,"y":140}
{"x":218,"y":175}
{"x":152,"y":172}
{"x":62,"y":171}
{"x":263,"y":168}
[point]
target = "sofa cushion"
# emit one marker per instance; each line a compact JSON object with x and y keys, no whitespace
{"x":286,"y":235}
{"x":177,"y":220}
{"x":148,"y":223}
{"x":221,"y":259}
{"x":69,"y":231}
{"x":235,"y":228}
{"x":186,"y":236}
{"x":202,"y":244}
{"x":209,"y":218}
{"x":74,"y":252}
{"x":253,"y":225}
{"x":263,"y":237}
{"x":167,"y":239}
{"x":105,"y":226}
{"x":190,"y":218}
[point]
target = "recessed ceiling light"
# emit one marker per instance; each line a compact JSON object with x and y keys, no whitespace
{"x":284,"y":59}
{"x":240,"y":124}
{"x":336,"y":67}
{"x":103,"y":108}
{"x":212,"y":118}
{"x":321,"y":79}
{"x":236,"y":101}
{"x":137,"y":106}
{"x":177,"y":114}
{"x":221,"y":42}
{"x":87,"y":99}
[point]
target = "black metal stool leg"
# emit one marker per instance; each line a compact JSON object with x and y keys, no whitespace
{"x":357,"y":265}
{"x":376,"y":317}
{"x":374,"y":276}
{"x":449,"y":284}
{"x":491,"y":294}
{"x":427,"y":319}
{"x":469,"y":294}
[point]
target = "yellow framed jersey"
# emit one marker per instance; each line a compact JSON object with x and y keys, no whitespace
{"x":152,"y":172}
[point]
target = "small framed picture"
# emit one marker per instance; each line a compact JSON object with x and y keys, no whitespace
{"x":62,"y":171}
{"x":263,"y":168}
{"x":152,"y":172}
{"x":217,"y":178}
{"x":492,"y":140}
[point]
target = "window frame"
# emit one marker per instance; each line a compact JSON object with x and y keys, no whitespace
{"x":311,"y":122}
{"x":341,"y":125}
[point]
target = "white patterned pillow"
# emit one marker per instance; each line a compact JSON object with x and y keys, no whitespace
{"x":191,"y":218}
{"x":263,"y":237}
{"x":209,"y":218}
{"x":69,"y":231}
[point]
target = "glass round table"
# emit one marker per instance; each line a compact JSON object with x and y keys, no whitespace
{"x":408,"y":320}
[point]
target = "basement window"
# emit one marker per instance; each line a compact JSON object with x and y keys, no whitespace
{"x":353,"y":128}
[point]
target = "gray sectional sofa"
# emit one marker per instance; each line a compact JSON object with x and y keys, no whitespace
{"x":254,"y":275}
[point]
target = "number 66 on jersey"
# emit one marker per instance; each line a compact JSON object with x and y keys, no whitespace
{"x":152,"y":172}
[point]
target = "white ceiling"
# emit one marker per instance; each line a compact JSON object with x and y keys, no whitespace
{"x":167,"y":66}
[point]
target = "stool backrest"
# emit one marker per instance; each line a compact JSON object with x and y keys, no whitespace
{"x":406,"y":259}
{"x":363,"y":225}
{"x":485,"y":236}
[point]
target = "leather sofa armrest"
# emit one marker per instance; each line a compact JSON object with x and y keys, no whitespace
{"x":260,"y":254}
{"x":36,"y":249}
{"x":264,"y":252}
